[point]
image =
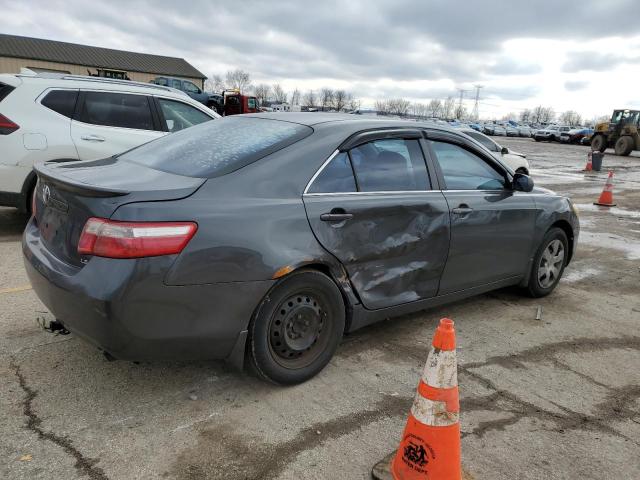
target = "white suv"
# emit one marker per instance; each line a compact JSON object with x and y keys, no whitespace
{"x":70,"y":117}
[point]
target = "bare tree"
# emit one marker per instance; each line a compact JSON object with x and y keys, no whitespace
{"x":399,"y":106}
{"x":448,"y":108}
{"x":525,"y":116}
{"x":279,"y":95}
{"x":326,"y":98}
{"x":382,"y":106}
{"x":419,"y":109}
{"x":340,"y":99}
{"x":295,"y":97}
{"x":214,"y":84}
{"x":310,"y":99}
{"x":354,"y":103}
{"x":542,"y":114}
{"x":571,"y":117}
{"x":262,"y":92}
{"x":238,"y":79}
{"x":434,"y":108}
{"x":460,"y":111}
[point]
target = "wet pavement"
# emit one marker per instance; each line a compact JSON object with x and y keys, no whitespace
{"x":556,"y":398}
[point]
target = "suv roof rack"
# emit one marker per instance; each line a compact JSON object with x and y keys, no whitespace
{"x":86,"y":78}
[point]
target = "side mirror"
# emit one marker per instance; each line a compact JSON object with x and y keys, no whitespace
{"x":522,"y":182}
{"x":504,"y":150}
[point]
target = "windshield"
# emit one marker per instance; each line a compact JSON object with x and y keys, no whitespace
{"x":212,"y":149}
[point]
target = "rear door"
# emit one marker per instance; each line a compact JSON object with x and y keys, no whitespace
{"x":373,"y":207}
{"x":108,"y":123}
{"x":492,"y":225}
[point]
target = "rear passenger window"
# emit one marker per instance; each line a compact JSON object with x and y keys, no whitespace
{"x":117,"y":110}
{"x":462,"y":170}
{"x":390,"y":165}
{"x":61,"y":101}
{"x":335,"y":177}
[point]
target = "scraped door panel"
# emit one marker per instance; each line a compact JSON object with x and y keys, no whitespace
{"x":394,"y":246}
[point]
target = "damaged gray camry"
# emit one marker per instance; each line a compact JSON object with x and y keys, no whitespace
{"x":264,"y":238}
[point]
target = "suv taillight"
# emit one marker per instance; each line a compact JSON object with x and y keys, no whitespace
{"x":107,"y":238}
{"x":7,"y":126}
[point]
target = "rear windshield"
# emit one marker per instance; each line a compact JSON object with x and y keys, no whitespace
{"x":215,"y":148}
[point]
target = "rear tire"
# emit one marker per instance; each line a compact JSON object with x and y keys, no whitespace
{"x":598,"y":143}
{"x":297,"y":328}
{"x":548,"y":263}
{"x":624,"y":146}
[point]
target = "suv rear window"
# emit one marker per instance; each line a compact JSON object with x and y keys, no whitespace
{"x":117,"y":110}
{"x":61,"y":101}
{"x":216,"y":148}
{"x":5,"y":90}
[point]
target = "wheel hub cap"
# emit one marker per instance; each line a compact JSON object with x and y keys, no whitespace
{"x":551,"y":263}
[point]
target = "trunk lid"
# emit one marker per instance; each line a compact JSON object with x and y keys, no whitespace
{"x":68,"y":193}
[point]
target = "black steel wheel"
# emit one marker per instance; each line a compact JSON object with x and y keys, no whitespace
{"x":624,"y":146}
{"x":297,"y":328}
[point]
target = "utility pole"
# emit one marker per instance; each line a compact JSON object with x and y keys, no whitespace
{"x":459,"y":111}
{"x":476,"y":113}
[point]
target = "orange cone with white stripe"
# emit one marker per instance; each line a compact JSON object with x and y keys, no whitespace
{"x":589,"y":166}
{"x":606,"y":197}
{"x":430,"y":444}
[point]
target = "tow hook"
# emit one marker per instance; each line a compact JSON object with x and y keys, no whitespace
{"x":52,"y":326}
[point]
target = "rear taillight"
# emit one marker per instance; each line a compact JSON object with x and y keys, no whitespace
{"x":107,"y":238}
{"x":7,"y":126}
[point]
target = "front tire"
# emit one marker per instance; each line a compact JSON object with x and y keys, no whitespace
{"x":548,"y":263}
{"x":598,"y":143}
{"x":297,"y":328}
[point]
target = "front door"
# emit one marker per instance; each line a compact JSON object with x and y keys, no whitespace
{"x":492,"y":226}
{"x":385,"y":224}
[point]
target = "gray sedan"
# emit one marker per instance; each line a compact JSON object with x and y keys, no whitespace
{"x":267,"y":237}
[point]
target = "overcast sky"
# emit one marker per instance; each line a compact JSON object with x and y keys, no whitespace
{"x":582,"y":55}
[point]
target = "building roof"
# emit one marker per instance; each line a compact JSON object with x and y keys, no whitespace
{"x":97,"y":57}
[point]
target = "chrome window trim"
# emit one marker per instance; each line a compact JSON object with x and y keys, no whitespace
{"x":385,"y":192}
{"x":315,"y":175}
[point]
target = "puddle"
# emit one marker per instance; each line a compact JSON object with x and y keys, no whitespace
{"x":589,"y":207}
{"x":616,"y":242}
{"x":572,"y":275}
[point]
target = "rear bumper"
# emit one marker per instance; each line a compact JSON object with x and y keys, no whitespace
{"x":124,"y":308}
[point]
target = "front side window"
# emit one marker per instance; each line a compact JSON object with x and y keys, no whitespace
{"x":190,"y":87}
{"x":486,"y":141}
{"x":251,"y":102}
{"x":61,"y":101}
{"x":463,"y":170}
{"x":178,"y":115}
{"x":117,"y":110}
{"x":335,"y":177}
{"x":212,"y":149}
{"x":176,"y":84}
{"x":389,"y":165}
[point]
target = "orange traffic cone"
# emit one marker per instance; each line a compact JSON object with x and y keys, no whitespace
{"x":430,"y":444}
{"x":606,"y":197}
{"x":589,"y":166}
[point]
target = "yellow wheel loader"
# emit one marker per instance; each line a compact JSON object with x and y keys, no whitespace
{"x":621,"y":133}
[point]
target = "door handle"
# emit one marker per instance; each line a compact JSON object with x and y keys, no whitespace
{"x":92,"y":138}
{"x":462,"y":209}
{"x":336,"y":215}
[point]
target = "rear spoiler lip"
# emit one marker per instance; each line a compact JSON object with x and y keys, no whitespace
{"x":80,"y":188}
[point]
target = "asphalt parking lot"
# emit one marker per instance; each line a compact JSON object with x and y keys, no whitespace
{"x":556,"y":398}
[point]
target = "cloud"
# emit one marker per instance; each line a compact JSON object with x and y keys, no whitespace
{"x":573,"y":85}
{"x":371,"y":47}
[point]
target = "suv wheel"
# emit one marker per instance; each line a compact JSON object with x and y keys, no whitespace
{"x":549,"y":263}
{"x":297,"y":328}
